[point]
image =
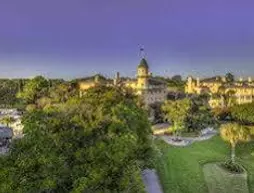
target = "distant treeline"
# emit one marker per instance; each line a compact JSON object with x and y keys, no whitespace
{"x":9,"y":89}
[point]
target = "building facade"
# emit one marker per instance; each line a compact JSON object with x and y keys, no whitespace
{"x":151,"y":90}
{"x":241,"y":91}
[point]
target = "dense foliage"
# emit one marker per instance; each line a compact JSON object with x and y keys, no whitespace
{"x":34,"y":89}
{"x":42,"y":93}
{"x":157,"y":112}
{"x":98,"y":143}
{"x":177,"y":112}
{"x":222,"y":113}
{"x":243,"y":113}
{"x":11,"y":88}
{"x":199,"y":115}
{"x":8,"y":90}
{"x":191,"y":114}
{"x":234,"y":133}
{"x":233,"y":167}
{"x":175,"y":83}
{"x":230,"y":77}
{"x":7,"y":120}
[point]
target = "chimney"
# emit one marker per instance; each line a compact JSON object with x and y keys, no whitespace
{"x":117,"y":75}
{"x":198,"y":82}
{"x":96,"y":78}
{"x":223,"y":78}
{"x":117,"y":78}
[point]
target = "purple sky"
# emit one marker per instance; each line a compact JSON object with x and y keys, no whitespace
{"x":75,"y":38}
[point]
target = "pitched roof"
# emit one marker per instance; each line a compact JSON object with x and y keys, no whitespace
{"x":143,"y":64}
{"x":212,"y":79}
{"x":156,"y":82}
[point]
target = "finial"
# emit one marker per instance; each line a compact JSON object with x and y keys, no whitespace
{"x":142,"y":52}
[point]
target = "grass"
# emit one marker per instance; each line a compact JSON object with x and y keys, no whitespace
{"x":220,"y":180}
{"x":181,"y":168}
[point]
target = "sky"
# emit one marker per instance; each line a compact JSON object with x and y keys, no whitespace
{"x":77,"y":38}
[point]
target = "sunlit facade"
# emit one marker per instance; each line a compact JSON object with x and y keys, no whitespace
{"x":151,"y":90}
{"x":241,"y":91}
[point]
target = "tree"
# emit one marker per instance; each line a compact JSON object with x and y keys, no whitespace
{"x":243,"y":113}
{"x":97,"y":143}
{"x":177,"y":78}
{"x":175,"y":85}
{"x":230,"y":77}
{"x":8,"y":91}
{"x":221,"y":113}
{"x":7,"y":120}
{"x":34,"y":89}
{"x":228,"y":98}
{"x":199,"y":115}
{"x":234,"y":133}
{"x":177,"y":112}
{"x":60,"y":93}
{"x":157,"y":112}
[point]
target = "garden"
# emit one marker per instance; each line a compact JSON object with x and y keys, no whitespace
{"x":185,"y":169}
{"x":223,"y":163}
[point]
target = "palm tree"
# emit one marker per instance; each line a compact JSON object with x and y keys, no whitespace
{"x":234,"y":133}
{"x":7,"y":120}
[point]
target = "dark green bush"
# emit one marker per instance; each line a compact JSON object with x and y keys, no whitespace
{"x":233,"y":167}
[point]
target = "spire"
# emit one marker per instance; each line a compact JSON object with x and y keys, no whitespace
{"x":142,"y":52}
{"x":143,"y":63}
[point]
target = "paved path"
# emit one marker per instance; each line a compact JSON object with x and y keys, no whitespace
{"x":3,"y":150}
{"x":187,"y":140}
{"x":151,"y":181}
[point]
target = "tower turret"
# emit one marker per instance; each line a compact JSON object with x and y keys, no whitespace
{"x":143,"y":73}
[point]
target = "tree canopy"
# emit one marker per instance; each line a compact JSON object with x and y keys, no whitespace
{"x":177,"y":78}
{"x":234,"y":133}
{"x":8,"y":90}
{"x":199,"y":115}
{"x":176,"y":112}
{"x":243,"y":113}
{"x":7,"y":120}
{"x":42,"y":93}
{"x":230,"y":77}
{"x":98,"y":143}
{"x":34,"y":89}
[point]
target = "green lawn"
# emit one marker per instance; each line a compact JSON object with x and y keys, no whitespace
{"x":220,"y":180}
{"x":181,"y":168}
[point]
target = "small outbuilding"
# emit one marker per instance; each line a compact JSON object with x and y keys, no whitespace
{"x":6,"y":135}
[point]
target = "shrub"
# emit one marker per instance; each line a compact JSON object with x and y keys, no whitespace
{"x":243,"y":113}
{"x":221,"y":114}
{"x":233,"y":167}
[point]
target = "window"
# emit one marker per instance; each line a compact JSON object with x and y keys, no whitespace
{"x":248,"y":97}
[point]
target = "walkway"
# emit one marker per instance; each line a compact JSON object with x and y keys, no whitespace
{"x":151,"y":181}
{"x":205,"y":134}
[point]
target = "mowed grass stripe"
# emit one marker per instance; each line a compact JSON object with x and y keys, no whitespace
{"x":181,"y":168}
{"x":219,"y":180}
